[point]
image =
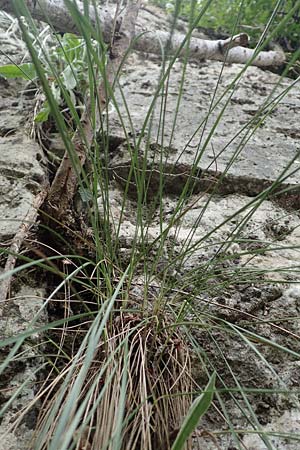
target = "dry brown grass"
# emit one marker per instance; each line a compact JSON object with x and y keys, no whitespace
{"x":136,"y":392}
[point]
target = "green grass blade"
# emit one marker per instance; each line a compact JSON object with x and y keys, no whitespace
{"x":26,"y":71}
{"x":197,"y":410}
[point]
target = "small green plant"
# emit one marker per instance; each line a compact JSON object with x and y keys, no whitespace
{"x":66,"y":57}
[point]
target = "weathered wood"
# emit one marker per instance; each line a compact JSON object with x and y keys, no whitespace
{"x":56,"y":12}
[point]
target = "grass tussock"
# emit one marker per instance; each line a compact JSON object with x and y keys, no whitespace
{"x":136,"y":392}
{"x":118,"y":376}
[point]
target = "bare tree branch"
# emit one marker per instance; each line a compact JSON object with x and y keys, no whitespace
{"x":56,"y":12}
{"x":200,"y":49}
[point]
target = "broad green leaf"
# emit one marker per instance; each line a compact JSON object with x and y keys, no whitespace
{"x":26,"y":71}
{"x":43,"y":115}
{"x":197,"y":410}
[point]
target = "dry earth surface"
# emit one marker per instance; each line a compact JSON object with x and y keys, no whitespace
{"x":276,"y":221}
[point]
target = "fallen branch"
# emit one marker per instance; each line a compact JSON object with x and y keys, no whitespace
{"x":56,"y":13}
{"x":232,"y":49}
{"x":65,"y":182}
{"x":22,"y":233}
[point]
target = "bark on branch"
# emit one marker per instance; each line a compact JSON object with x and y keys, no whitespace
{"x":56,"y":12}
{"x":232,"y":49}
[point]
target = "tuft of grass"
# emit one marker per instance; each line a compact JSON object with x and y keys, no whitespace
{"x":126,"y":330}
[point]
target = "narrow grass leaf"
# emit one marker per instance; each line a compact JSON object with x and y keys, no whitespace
{"x":197,"y":410}
{"x":26,"y":71}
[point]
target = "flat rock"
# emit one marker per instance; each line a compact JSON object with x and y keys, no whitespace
{"x":21,"y":377}
{"x":252,"y":144}
{"x":21,"y":170}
